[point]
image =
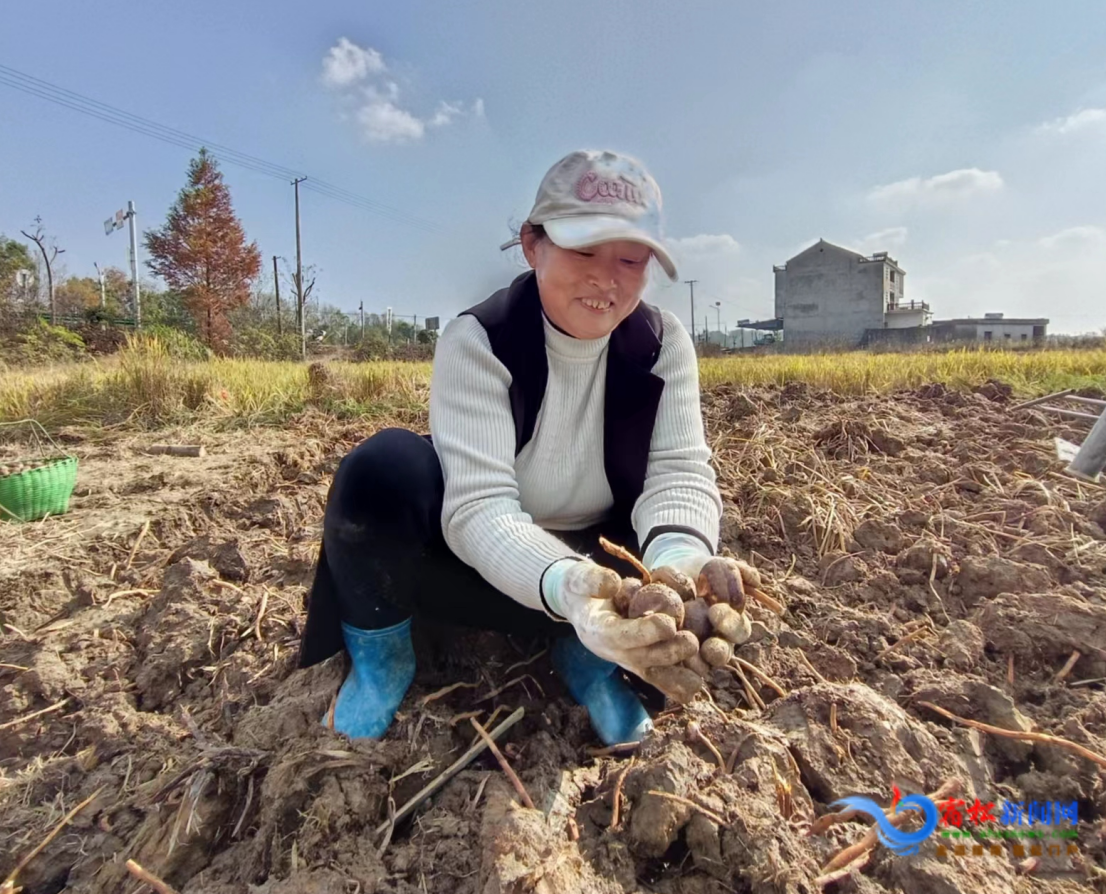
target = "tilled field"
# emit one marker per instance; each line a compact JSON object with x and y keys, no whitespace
{"x":928,"y":552}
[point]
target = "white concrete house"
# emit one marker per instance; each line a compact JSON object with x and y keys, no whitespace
{"x":833,"y":296}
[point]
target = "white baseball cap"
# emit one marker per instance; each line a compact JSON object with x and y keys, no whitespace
{"x":591,"y":196}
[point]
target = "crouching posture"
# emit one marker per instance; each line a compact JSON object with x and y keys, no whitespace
{"x":562,"y":408}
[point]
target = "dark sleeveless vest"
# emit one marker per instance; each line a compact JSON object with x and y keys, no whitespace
{"x":512,"y":317}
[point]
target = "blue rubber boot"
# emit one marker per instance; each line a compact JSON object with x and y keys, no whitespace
{"x":616,"y":712}
{"x":383,"y":666}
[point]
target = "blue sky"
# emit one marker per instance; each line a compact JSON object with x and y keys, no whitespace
{"x":967,"y":139}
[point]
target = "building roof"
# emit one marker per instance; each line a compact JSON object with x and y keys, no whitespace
{"x":878,"y":257}
{"x":993,"y":321}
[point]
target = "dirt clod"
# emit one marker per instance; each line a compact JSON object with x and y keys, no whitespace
{"x":879,"y":535}
{"x":984,"y":577}
{"x":943,"y":563}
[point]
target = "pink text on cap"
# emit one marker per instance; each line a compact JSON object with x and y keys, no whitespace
{"x":593,"y":188}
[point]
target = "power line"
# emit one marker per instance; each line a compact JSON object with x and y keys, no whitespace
{"x":37,"y":87}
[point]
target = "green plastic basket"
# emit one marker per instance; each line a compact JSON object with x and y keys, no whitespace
{"x":41,"y":491}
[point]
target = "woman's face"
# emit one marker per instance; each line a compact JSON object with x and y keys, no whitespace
{"x":587,"y":292}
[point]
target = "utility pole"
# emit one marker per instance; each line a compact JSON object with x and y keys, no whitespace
{"x":132,"y":216}
{"x":276,"y":285}
{"x":718,"y":320}
{"x":361,"y":311}
{"x":299,"y":272}
{"x":691,"y":282}
{"x":100,"y":276}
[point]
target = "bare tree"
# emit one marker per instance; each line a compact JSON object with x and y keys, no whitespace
{"x":304,"y":289}
{"x":39,"y":239}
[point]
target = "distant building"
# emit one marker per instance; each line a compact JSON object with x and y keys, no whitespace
{"x":832,"y":296}
{"x":991,"y":328}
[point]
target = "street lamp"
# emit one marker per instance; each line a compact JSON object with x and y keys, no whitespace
{"x":718,"y":316}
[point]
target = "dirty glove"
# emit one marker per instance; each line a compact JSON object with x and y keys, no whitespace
{"x":581,"y":592}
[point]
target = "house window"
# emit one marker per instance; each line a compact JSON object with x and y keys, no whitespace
{"x":1025,"y":337}
{"x":1007,"y":336}
{"x":987,"y":335}
{"x":892,"y":276}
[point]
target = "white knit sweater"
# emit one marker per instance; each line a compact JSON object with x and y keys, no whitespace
{"x":500,"y":513}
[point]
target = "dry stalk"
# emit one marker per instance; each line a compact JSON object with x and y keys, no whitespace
{"x":706,"y":811}
{"x":137,"y":542}
{"x":479,"y":792}
{"x":754,"y":700}
{"x":767,"y":601}
{"x":245,"y":810}
{"x":1044,"y":738}
{"x":330,"y":711}
{"x":444,"y":691}
{"x":616,"y":805}
{"x":762,"y":676}
{"x":833,"y":718}
{"x":622,"y":553}
{"x":933,"y":588}
{"x":611,"y":750}
{"x":122,"y":593}
{"x":1068,"y":665}
{"x":1010,"y":669}
{"x":528,"y":661}
{"x":783,"y":793}
{"x":515,"y":781}
{"x":9,"y":882}
{"x":261,"y":612}
{"x":508,"y":685}
{"x":18,"y":720}
{"x":817,"y":676}
{"x":695,"y":734}
{"x":913,"y":636}
{"x":452,"y":770}
{"x":149,"y":878}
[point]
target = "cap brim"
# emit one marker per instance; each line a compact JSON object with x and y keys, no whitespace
{"x":592,"y":229}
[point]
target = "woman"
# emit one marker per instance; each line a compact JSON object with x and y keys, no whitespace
{"x":562,"y":408}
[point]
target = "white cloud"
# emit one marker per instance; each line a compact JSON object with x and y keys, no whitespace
{"x":724,"y":273}
{"x":382,"y":121}
{"x":1084,"y":119}
{"x":446,"y":112}
{"x":884,"y":240}
{"x":354,"y":72}
{"x":705,"y":244}
{"x":346,"y":63}
{"x":1075,"y":238}
{"x":954,"y":185}
{"x":1057,"y":276}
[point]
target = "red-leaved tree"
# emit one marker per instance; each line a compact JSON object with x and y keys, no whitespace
{"x":202,"y":254}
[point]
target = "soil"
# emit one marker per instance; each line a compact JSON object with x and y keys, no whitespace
{"x":927,"y":549}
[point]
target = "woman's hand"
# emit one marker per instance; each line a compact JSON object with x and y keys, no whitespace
{"x":582,"y":593}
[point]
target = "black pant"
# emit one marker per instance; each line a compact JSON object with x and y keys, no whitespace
{"x":384,"y":557}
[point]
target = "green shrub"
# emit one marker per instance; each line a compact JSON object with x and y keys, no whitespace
{"x":42,"y":343}
{"x":263,"y":344}
{"x":174,"y":343}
